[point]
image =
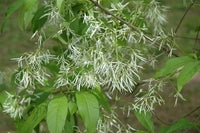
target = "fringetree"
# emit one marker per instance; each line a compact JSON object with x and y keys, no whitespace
{"x":100,"y":49}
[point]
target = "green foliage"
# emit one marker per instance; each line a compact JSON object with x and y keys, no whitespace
{"x":178,"y":126}
{"x":101,"y":97}
{"x":56,"y":114}
{"x":11,"y":9}
{"x":3,"y":97}
{"x":35,"y":117}
{"x":72,"y":107}
{"x":141,"y":132}
{"x":187,"y":73}
{"x":39,"y":20}
{"x":69,"y":125}
{"x":26,"y":13}
{"x":44,"y":93}
{"x":172,"y":65}
{"x":190,"y":68}
{"x":60,"y":4}
{"x":88,"y":108}
{"x":145,"y":119}
{"x":29,"y":8}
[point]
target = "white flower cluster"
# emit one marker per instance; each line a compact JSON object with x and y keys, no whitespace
{"x":15,"y":105}
{"x":153,"y":13}
{"x":111,"y":124}
{"x":108,"y":53}
{"x":146,"y":99}
{"x":31,"y":69}
{"x":29,"y":74}
{"x":155,"y":16}
{"x":95,"y":67}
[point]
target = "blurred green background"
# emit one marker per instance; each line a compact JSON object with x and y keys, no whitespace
{"x":14,"y":43}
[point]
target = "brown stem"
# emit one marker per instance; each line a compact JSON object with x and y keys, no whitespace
{"x":153,"y":58}
{"x":187,"y":10}
{"x":163,"y":122}
{"x":191,"y":112}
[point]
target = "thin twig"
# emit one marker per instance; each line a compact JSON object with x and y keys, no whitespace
{"x":163,"y":122}
{"x":191,"y":112}
{"x":129,"y":25}
{"x":153,"y":58}
{"x":141,"y":83}
{"x":187,"y":10}
{"x":188,"y":114}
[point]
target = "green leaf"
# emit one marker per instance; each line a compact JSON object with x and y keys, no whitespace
{"x":75,"y":26}
{"x":72,"y":107}
{"x":20,"y":18}
{"x":26,"y":13}
{"x":30,"y":9}
{"x":11,"y":9}
{"x":62,"y":40}
{"x":59,"y":4}
{"x":41,"y":94}
{"x":3,"y":97}
{"x":115,"y":1}
{"x":187,"y":73}
{"x":39,"y":20}
{"x":52,"y":67}
{"x":56,"y":114}
{"x":34,"y":119}
{"x":180,"y":125}
{"x":101,"y":97}
{"x":88,"y":108}
{"x":69,"y":125}
{"x":2,"y":86}
{"x":171,"y":65}
{"x":145,"y":120}
{"x":140,"y":131}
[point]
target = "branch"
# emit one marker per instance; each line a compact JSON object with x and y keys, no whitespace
{"x":194,"y":110}
{"x":153,"y":58}
{"x":163,"y":122}
{"x":180,"y":22}
{"x":129,"y":25}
